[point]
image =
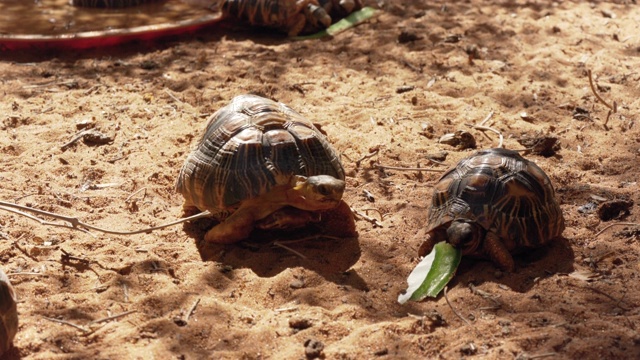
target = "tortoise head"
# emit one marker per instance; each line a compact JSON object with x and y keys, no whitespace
{"x":320,"y":192}
{"x":465,"y":235}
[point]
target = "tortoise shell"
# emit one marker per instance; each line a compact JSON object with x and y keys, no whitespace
{"x":503,"y":194}
{"x":8,"y":313}
{"x":249,"y":147}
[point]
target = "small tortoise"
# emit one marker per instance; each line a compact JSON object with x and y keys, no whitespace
{"x":8,"y":313}
{"x":260,"y":165}
{"x":292,"y":16}
{"x":492,"y":204}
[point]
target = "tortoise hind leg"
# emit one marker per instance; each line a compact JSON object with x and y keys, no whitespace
{"x":498,"y":253}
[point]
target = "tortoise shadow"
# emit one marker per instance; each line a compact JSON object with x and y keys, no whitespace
{"x":268,"y":253}
{"x":556,"y":258}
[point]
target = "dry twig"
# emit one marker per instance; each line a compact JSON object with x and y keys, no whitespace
{"x":366,"y":217}
{"x":78,"y":225}
{"x":615,"y":224}
{"x":453,"y":309}
{"x":85,"y":330}
{"x":486,"y":295}
{"x":191,"y":311}
{"x":280,"y":244}
{"x":136,"y":192}
{"x":612,"y":108}
{"x":113,"y":317}
{"x":373,"y":153}
{"x":401,"y":168}
{"x":486,"y":128}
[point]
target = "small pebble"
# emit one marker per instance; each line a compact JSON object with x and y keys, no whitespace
{"x":313,"y":348}
{"x":298,"y":323}
{"x":297,"y":284}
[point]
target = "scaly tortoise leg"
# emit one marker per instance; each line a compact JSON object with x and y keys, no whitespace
{"x":427,"y":245}
{"x":498,"y":253}
{"x":236,"y":227}
{"x":429,"y":240}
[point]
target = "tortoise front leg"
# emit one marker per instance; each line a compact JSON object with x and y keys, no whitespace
{"x":236,"y":227}
{"x":498,"y":253}
{"x":427,"y":245}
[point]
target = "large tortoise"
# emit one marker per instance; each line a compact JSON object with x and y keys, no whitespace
{"x":492,"y":204}
{"x":260,"y":165}
{"x":8,"y":313}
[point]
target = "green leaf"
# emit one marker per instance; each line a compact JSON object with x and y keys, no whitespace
{"x":348,"y":22}
{"x":433,"y":273}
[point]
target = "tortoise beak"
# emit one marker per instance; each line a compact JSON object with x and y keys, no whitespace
{"x":464,"y":235}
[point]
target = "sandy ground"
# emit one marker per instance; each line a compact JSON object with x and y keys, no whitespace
{"x":389,"y":88}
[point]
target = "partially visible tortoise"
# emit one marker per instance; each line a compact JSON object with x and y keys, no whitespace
{"x":260,"y":165}
{"x":292,"y":16}
{"x":492,"y":204}
{"x":8,"y":313}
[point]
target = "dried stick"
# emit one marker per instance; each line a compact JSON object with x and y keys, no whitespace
{"x":67,"y":323}
{"x":26,"y":274}
{"x":113,"y":317}
{"x":486,"y":118}
{"x":366,"y":217}
{"x":166,"y":91}
{"x":190,"y":312}
{"x":136,"y":192}
{"x":279,"y":244}
{"x":369,"y":155}
{"x":486,"y":128}
{"x":453,"y":309}
{"x":77,"y":137}
{"x":615,"y":224}
{"x":401,"y":168}
{"x":42,"y":222}
{"x":613,"y":107}
{"x":310,"y":237}
{"x":78,"y":225}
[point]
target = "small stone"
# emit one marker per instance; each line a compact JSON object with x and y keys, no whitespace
{"x":313,"y":348}
{"x":85,"y":124}
{"x":297,"y":284}
{"x":404,"y":89}
{"x":300,"y":323}
{"x":95,"y":137}
{"x":461,"y":139}
{"x":179,"y":321}
{"x":614,"y":209}
{"x":407,"y":36}
{"x":469,"y":349}
{"x":381,"y":352}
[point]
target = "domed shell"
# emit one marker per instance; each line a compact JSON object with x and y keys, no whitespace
{"x":250,"y":146}
{"x":503,"y":192}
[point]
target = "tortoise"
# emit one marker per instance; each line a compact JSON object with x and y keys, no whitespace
{"x":293,"y":16}
{"x":492,"y":204}
{"x":260,"y":164}
{"x":8,"y":313}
